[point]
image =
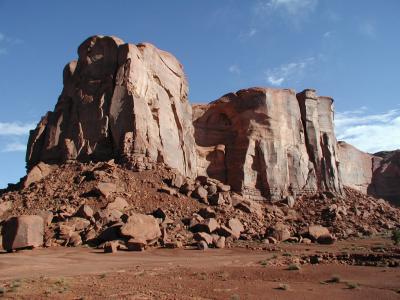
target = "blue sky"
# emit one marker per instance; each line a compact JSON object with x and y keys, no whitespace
{"x":349,"y":50}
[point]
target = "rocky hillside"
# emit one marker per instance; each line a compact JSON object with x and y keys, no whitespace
{"x":105,"y":205}
{"x":124,"y":161}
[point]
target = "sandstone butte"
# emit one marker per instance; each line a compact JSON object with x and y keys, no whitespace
{"x":130,"y":103}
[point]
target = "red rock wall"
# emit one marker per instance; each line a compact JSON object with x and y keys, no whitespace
{"x":119,"y":101}
{"x":255,"y":140}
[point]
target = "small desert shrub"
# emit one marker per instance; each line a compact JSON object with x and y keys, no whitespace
{"x":283,"y":287}
{"x":263,"y":262}
{"x":293,"y":267}
{"x":396,"y":236}
{"x":352,"y":285}
{"x":334,"y":279}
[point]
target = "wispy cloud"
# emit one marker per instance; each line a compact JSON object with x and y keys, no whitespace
{"x":368,"y":29}
{"x":6,"y":42}
{"x":285,"y":72}
{"x":287,"y":8}
{"x":369,"y":132}
{"x":234,"y":69}
{"x":14,"y":147}
{"x":327,"y":34}
{"x":15,"y":128}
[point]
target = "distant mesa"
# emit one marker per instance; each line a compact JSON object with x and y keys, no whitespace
{"x":130,"y":103}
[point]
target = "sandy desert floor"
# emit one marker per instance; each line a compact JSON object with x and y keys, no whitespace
{"x":236,"y":273}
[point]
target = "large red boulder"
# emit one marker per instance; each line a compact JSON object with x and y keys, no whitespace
{"x":22,"y":232}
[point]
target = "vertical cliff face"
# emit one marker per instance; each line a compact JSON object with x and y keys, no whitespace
{"x":267,"y":144}
{"x":386,"y":176}
{"x":374,"y":174}
{"x":317,"y":117}
{"x":356,"y":167}
{"x":119,"y":101}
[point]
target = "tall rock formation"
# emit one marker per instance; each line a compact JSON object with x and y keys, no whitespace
{"x":374,"y":174}
{"x":356,"y":167}
{"x":317,"y":115}
{"x":130,"y":102}
{"x":121,"y":101}
{"x":386,"y":176}
{"x":266,"y":143}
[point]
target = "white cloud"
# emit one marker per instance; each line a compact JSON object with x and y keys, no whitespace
{"x":275,"y":81}
{"x":245,"y":35}
{"x":15,"y":128}
{"x":290,"y":7}
{"x":368,"y":29}
{"x":252,"y":32}
{"x":285,"y":72}
{"x":234,"y":69}
{"x":6,"y":41}
{"x":14,"y":147}
{"x":327,"y":34}
{"x":369,"y":132}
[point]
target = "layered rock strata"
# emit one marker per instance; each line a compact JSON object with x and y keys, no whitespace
{"x":121,"y":101}
{"x":268,"y":143}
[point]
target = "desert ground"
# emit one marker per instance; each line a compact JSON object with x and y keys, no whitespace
{"x":250,"y":271}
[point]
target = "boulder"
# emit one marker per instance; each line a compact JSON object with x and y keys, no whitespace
{"x":250,"y":207}
{"x":316,"y":231}
{"x":223,"y":187}
{"x":75,"y":240}
{"x":177,"y":180}
{"x":227,"y":232}
{"x":207,"y":225}
{"x":4,"y":207}
{"x":38,"y":172}
{"x":236,"y":227}
{"x":79,"y":224}
{"x":200,"y":193}
{"x":217,"y":199}
{"x":22,"y":232}
{"x":111,"y":247}
{"x":173,"y":245}
{"x":47,"y":217}
{"x":85,"y":211}
{"x":107,"y":216}
{"x":202,"y":245}
{"x":279,"y":231}
{"x":218,"y":241}
{"x":118,"y":204}
{"x":141,"y":227}
{"x":326,"y":239}
{"x":207,"y":212}
{"x":202,"y":236}
{"x":105,"y":189}
{"x":136,"y":244}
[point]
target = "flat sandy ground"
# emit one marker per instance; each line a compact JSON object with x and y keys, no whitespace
{"x":84,"y":273}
